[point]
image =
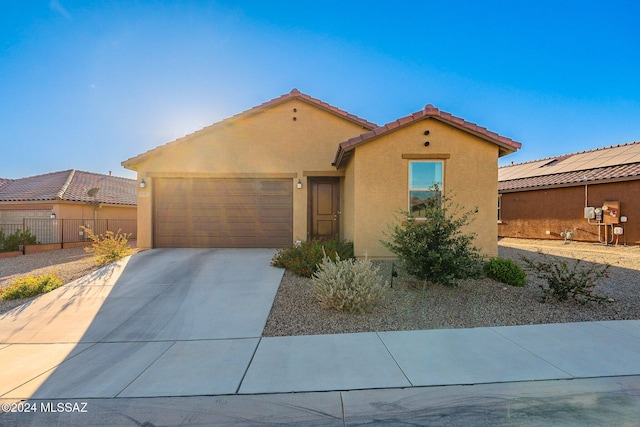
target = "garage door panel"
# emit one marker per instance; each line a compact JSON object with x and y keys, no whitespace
{"x":275,"y":200}
{"x":275,"y":213}
{"x":279,"y":226}
{"x":203,"y":213}
{"x":276,"y":186}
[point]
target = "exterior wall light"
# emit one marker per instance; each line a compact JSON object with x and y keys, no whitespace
{"x":53,"y":215}
{"x":299,"y":184}
{"x":143,"y":184}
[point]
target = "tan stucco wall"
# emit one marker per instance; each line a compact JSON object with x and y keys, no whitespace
{"x":347,"y":205}
{"x":86,"y":211}
{"x":379,"y":177}
{"x":270,"y":142}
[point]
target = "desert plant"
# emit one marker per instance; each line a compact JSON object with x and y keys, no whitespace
{"x":13,"y":241}
{"x":303,"y":259}
{"x":435,"y":248}
{"x":505,"y":271}
{"x":109,"y":247}
{"x":568,"y":280}
{"x":30,"y":286}
{"x":348,"y":285}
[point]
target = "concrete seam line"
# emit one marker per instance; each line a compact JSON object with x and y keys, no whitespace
{"x":394,"y":359}
{"x":145,"y":369}
{"x":52,"y":369}
{"x":493,"y":329}
{"x":248,"y":365}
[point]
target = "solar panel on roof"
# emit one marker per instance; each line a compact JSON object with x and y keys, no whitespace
{"x":604,"y":157}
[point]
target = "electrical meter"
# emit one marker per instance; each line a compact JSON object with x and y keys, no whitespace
{"x":589,"y":212}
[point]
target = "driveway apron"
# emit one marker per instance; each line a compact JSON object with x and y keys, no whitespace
{"x":163,"y":322}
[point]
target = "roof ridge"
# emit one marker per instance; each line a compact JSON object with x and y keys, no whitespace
{"x":293,"y":94}
{"x":571,"y":154}
{"x":103,"y":175}
{"x":60,"y":194}
{"x":429,"y":111}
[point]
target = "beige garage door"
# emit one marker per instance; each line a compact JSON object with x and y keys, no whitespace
{"x":222,"y":213}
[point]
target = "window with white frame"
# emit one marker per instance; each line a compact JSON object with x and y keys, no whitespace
{"x":425,"y":183}
{"x":499,"y":208}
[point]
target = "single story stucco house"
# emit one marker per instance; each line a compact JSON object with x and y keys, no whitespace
{"x":53,"y":206}
{"x":592,"y":196}
{"x":297,"y":168}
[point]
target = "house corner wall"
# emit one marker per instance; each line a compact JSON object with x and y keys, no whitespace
{"x":380,"y":177}
{"x":145,"y":235}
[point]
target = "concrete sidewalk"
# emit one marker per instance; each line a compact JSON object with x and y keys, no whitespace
{"x":188,"y":323}
{"x":444,"y":357}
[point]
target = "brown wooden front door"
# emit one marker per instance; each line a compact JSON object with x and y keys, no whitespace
{"x":325,"y":208}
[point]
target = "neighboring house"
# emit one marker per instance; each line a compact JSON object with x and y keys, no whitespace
{"x":552,"y":198}
{"x":297,"y":168}
{"x":54,"y":205}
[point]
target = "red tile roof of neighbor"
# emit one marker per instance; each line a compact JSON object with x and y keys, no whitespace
{"x":506,"y":145}
{"x":608,"y":164}
{"x":72,"y":186}
{"x":294,"y":94}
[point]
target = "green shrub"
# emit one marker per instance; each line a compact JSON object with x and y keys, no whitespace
{"x":505,"y":271}
{"x":108,"y":248}
{"x":565,"y":280}
{"x":348,"y":285}
{"x":13,"y":241}
{"x":303,"y":259}
{"x":435,"y":248}
{"x":31,"y":286}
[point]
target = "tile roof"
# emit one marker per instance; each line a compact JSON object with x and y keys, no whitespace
{"x":72,"y":186}
{"x":4,"y":181}
{"x":614,"y":163}
{"x":505,"y":144}
{"x":294,"y":94}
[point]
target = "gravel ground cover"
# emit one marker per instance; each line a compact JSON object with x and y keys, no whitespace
{"x":474,"y":303}
{"x":68,"y":264}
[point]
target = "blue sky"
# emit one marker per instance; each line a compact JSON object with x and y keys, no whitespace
{"x":87,"y":84}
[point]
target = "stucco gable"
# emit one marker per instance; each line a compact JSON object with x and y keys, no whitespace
{"x":505,"y":145}
{"x":295,"y":94}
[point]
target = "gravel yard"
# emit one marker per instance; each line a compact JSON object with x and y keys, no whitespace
{"x":474,"y":303}
{"x":68,"y":264}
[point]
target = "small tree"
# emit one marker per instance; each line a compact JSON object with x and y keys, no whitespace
{"x":435,"y":248}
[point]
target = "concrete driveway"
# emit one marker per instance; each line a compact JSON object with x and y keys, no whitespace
{"x":137,"y":328}
{"x":172,"y":337}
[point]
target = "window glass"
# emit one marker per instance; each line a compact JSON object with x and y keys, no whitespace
{"x":424,"y":178}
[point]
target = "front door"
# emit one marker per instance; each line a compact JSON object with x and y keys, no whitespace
{"x":325,"y":208}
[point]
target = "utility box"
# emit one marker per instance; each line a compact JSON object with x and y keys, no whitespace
{"x":589,"y":212}
{"x":611,"y":212}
